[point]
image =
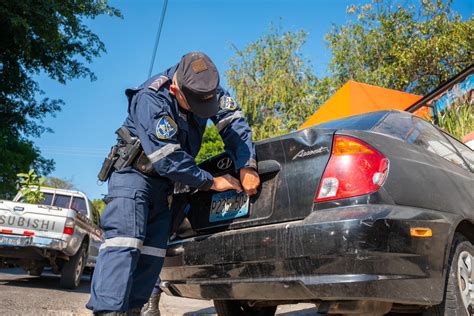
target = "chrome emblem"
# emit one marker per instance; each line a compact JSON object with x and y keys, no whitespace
{"x":305,"y":153}
{"x":224,"y":163}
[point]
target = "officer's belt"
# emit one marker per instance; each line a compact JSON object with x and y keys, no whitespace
{"x":131,"y":148}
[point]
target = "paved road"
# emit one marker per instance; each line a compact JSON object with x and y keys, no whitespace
{"x":21,"y":294}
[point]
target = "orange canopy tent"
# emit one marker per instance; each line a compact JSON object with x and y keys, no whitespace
{"x":357,"y":98}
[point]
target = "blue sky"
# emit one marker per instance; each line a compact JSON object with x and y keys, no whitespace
{"x":84,"y":129}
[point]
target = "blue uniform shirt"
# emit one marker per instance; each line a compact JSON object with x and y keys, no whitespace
{"x":171,"y":137}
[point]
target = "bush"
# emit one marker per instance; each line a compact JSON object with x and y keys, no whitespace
{"x":458,"y":119}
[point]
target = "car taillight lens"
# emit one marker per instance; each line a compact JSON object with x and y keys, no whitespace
{"x":355,"y":168}
{"x":69,"y":226}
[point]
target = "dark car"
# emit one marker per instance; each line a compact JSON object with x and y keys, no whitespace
{"x":368,"y":214}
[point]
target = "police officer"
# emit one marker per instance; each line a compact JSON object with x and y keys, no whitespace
{"x":168,"y":114}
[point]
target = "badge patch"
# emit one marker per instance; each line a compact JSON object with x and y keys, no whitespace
{"x":156,"y":85}
{"x":166,"y":128}
{"x":227,"y":103}
{"x":199,"y":65}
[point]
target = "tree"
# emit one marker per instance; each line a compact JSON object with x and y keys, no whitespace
{"x":409,"y":48}
{"x":30,"y":186}
{"x":98,"y":204}
{"x":211,"y":145}
{"x":58,"y":183}
{"x":39,"y":37}
{"x":273,"y":83}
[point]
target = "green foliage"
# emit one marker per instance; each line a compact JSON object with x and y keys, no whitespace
{"x":98,"y":204}
{"x":408,"y":48}
{"x":30,"y":185}
{"x":39,"y":37}
{"x":273,"y":83}
{"x":458,"y":120}
{"x":58,"y":183}
{"x":211,"y":145}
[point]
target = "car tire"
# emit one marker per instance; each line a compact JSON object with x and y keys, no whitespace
{"x":72,"y":270}
{"x":461,"y":262}
{"x":241,"y":308}
{"x":36,"y":271}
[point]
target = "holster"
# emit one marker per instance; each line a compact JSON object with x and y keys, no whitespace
{"x":127,"y":152}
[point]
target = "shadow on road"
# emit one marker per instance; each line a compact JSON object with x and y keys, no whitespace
{"x":212,"y":311}
{"x":303,"y":312}
{"x":47,"y":280}
{"x":204,"y":311}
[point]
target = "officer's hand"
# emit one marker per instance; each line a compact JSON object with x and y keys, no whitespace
{"x":250,"y":180}
{"x":226,"y":182}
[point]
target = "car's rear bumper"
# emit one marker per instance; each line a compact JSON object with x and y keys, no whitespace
{"x":14,"y":246}
{"x":353,"y":253}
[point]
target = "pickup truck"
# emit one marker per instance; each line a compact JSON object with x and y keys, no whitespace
{"x":61,"y":232}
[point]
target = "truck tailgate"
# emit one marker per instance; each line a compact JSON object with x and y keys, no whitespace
{"x":25,"y":219}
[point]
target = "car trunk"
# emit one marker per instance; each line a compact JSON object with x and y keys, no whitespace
{"x":290,"y":169}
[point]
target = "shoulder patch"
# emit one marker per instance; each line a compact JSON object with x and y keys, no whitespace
{"x":166,"y":128}
{"x":227,"y":103}
{"x":156,"y":85}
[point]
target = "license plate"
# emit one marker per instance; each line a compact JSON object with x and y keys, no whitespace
{"x":8,"y":241}
{"x":228,"y":205}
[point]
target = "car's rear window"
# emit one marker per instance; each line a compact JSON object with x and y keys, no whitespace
{"x":359,"y":122}
{"x":47,"y":199}
{"x":79,"y":204}
{"x":62,"y":201}
{"x":413,"y":130}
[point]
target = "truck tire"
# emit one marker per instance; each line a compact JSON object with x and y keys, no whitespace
{"x":36,"y":271}
{"x":458,"y":283}
{"x":72,"y":270}
{"x":241,"y":308}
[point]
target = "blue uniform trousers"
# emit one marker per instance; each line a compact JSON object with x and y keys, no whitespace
{"x":136,"y":223}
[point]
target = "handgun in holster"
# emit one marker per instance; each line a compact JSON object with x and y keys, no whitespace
{"x":121,"y":155}
{"x":128,"y":148}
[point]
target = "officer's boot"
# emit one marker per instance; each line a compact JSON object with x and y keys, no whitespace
{"x":152,"y":307}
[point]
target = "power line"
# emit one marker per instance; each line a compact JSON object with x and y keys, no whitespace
{"x":158,"y":34}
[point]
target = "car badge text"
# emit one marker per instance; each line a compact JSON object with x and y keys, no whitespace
{"x":305,"y":153}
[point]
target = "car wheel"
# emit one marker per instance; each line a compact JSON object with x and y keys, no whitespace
{"x":459,"y":291}
{"x":72,"y":270}
{"x":241,"y":308}
{"x":36,"y":271}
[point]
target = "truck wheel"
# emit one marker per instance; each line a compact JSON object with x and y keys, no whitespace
{"x":240,"y":308}
{"x":459,"y":290}
{"x":72,"y":270}
{"x":36,"y":271}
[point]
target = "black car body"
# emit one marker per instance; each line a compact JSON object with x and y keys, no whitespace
{"x":385,"y":250}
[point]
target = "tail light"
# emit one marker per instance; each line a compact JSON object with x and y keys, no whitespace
{"x":354,"y":169}
{"x":69,"y":226}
